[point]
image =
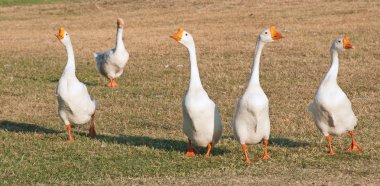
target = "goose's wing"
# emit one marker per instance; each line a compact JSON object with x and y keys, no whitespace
{"x":187,"y":121}
{"x":103,"y":61}
{"x":322,"y":113}
{"x":334,"y":108}
{"x":82,"y":98}
{"x":103,"y":57}
{"x":327,"y":114}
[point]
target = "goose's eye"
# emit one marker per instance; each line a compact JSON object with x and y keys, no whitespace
{"x":185,"y":34}
{"x":266,"y":32}
{"x":339,"y":41}
{"x":66,"y":33}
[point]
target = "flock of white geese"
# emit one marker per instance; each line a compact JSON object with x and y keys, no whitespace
{"x":202,"y":124}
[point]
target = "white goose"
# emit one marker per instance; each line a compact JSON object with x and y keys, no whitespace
{"x":251,"y":119}
{"x":74,"y":103}
{"x":111,"y":63}
{"x":201,"y":118}
{"x":331,"y":108}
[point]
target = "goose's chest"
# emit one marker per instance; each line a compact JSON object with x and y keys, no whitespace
{"x":254,"y":100}
{"x":196,"y":102}
{"x":120,"y":57}
{"x":64,"y":87}
{"x":69,"y":88}
{"x":331,"y":95}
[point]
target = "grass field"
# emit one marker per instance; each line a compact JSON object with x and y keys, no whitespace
{"x":30,"y":2}
{"x":139,"y":125}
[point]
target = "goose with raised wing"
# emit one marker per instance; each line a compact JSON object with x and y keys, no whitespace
{"x":201,"y":119}
{"x":111,"y":63}
{"x":251,"y":123}
{"x":74,"y":103}
{"x":331,"y":108}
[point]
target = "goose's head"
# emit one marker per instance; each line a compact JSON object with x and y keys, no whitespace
{"x":341,"y":43}
{"x":120,"y":23}
{"x":183,"y":37}
{"x":63,"y":36}
{"x":270,"y":34}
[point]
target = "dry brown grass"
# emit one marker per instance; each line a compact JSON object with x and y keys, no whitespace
{"x":146,"y":109}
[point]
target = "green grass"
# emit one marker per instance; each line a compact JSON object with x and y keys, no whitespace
{"x":139,"y":125}
{"x":139,"y":148}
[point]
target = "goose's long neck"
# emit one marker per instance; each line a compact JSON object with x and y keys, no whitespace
{"x":255,"y":74}
{"x":70,"y":66}
{"x":332,"y":74}
{"x":195,"y":80}
{"x":119,"y":39}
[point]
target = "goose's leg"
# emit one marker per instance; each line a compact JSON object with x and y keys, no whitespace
{"x":109,"y":84}
{"x":92,"y":132}
{"x":266,"y":155}
{"x":354,"y":146}
{"x":328,"y":138}
{"x":244,"y":147}
{"x":114,"y":84}
{"x":68,"y":126}
{"x":209,"y":147}
{"x":190,"y":150}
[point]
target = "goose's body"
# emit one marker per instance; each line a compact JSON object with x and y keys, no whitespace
{"x":331,"y":108}
{"x":201,"y":119}
{"x":251,"y":122}
{"x":111,"y":63}
{"x":74,"y":103}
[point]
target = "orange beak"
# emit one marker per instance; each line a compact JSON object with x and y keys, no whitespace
{"x":346,"y":42}
{"x":61,"y":33}
{"x":120,"y":23}
{"x":178,"y":36}
{"x":275,"y":35}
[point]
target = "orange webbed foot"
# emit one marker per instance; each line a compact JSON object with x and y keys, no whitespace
{"x":113,"y":84}
{"x":265,"y":156}
{"x":209,"y":147}
{"x":109,"y":84}
{"x":354,"y":147}
{"x":190,"y":150}
{"x":190,"y":154}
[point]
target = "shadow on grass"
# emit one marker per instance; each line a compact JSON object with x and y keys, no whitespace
{"x":85,"y":82}
{"x":12,"y":126}
{"x":54,"y":80}
{"x":154,"y":143}
{"x":280,"y":142}
{"x":285,"y":142}
{"x":91,"y":84}
{"x":229,"y":137}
